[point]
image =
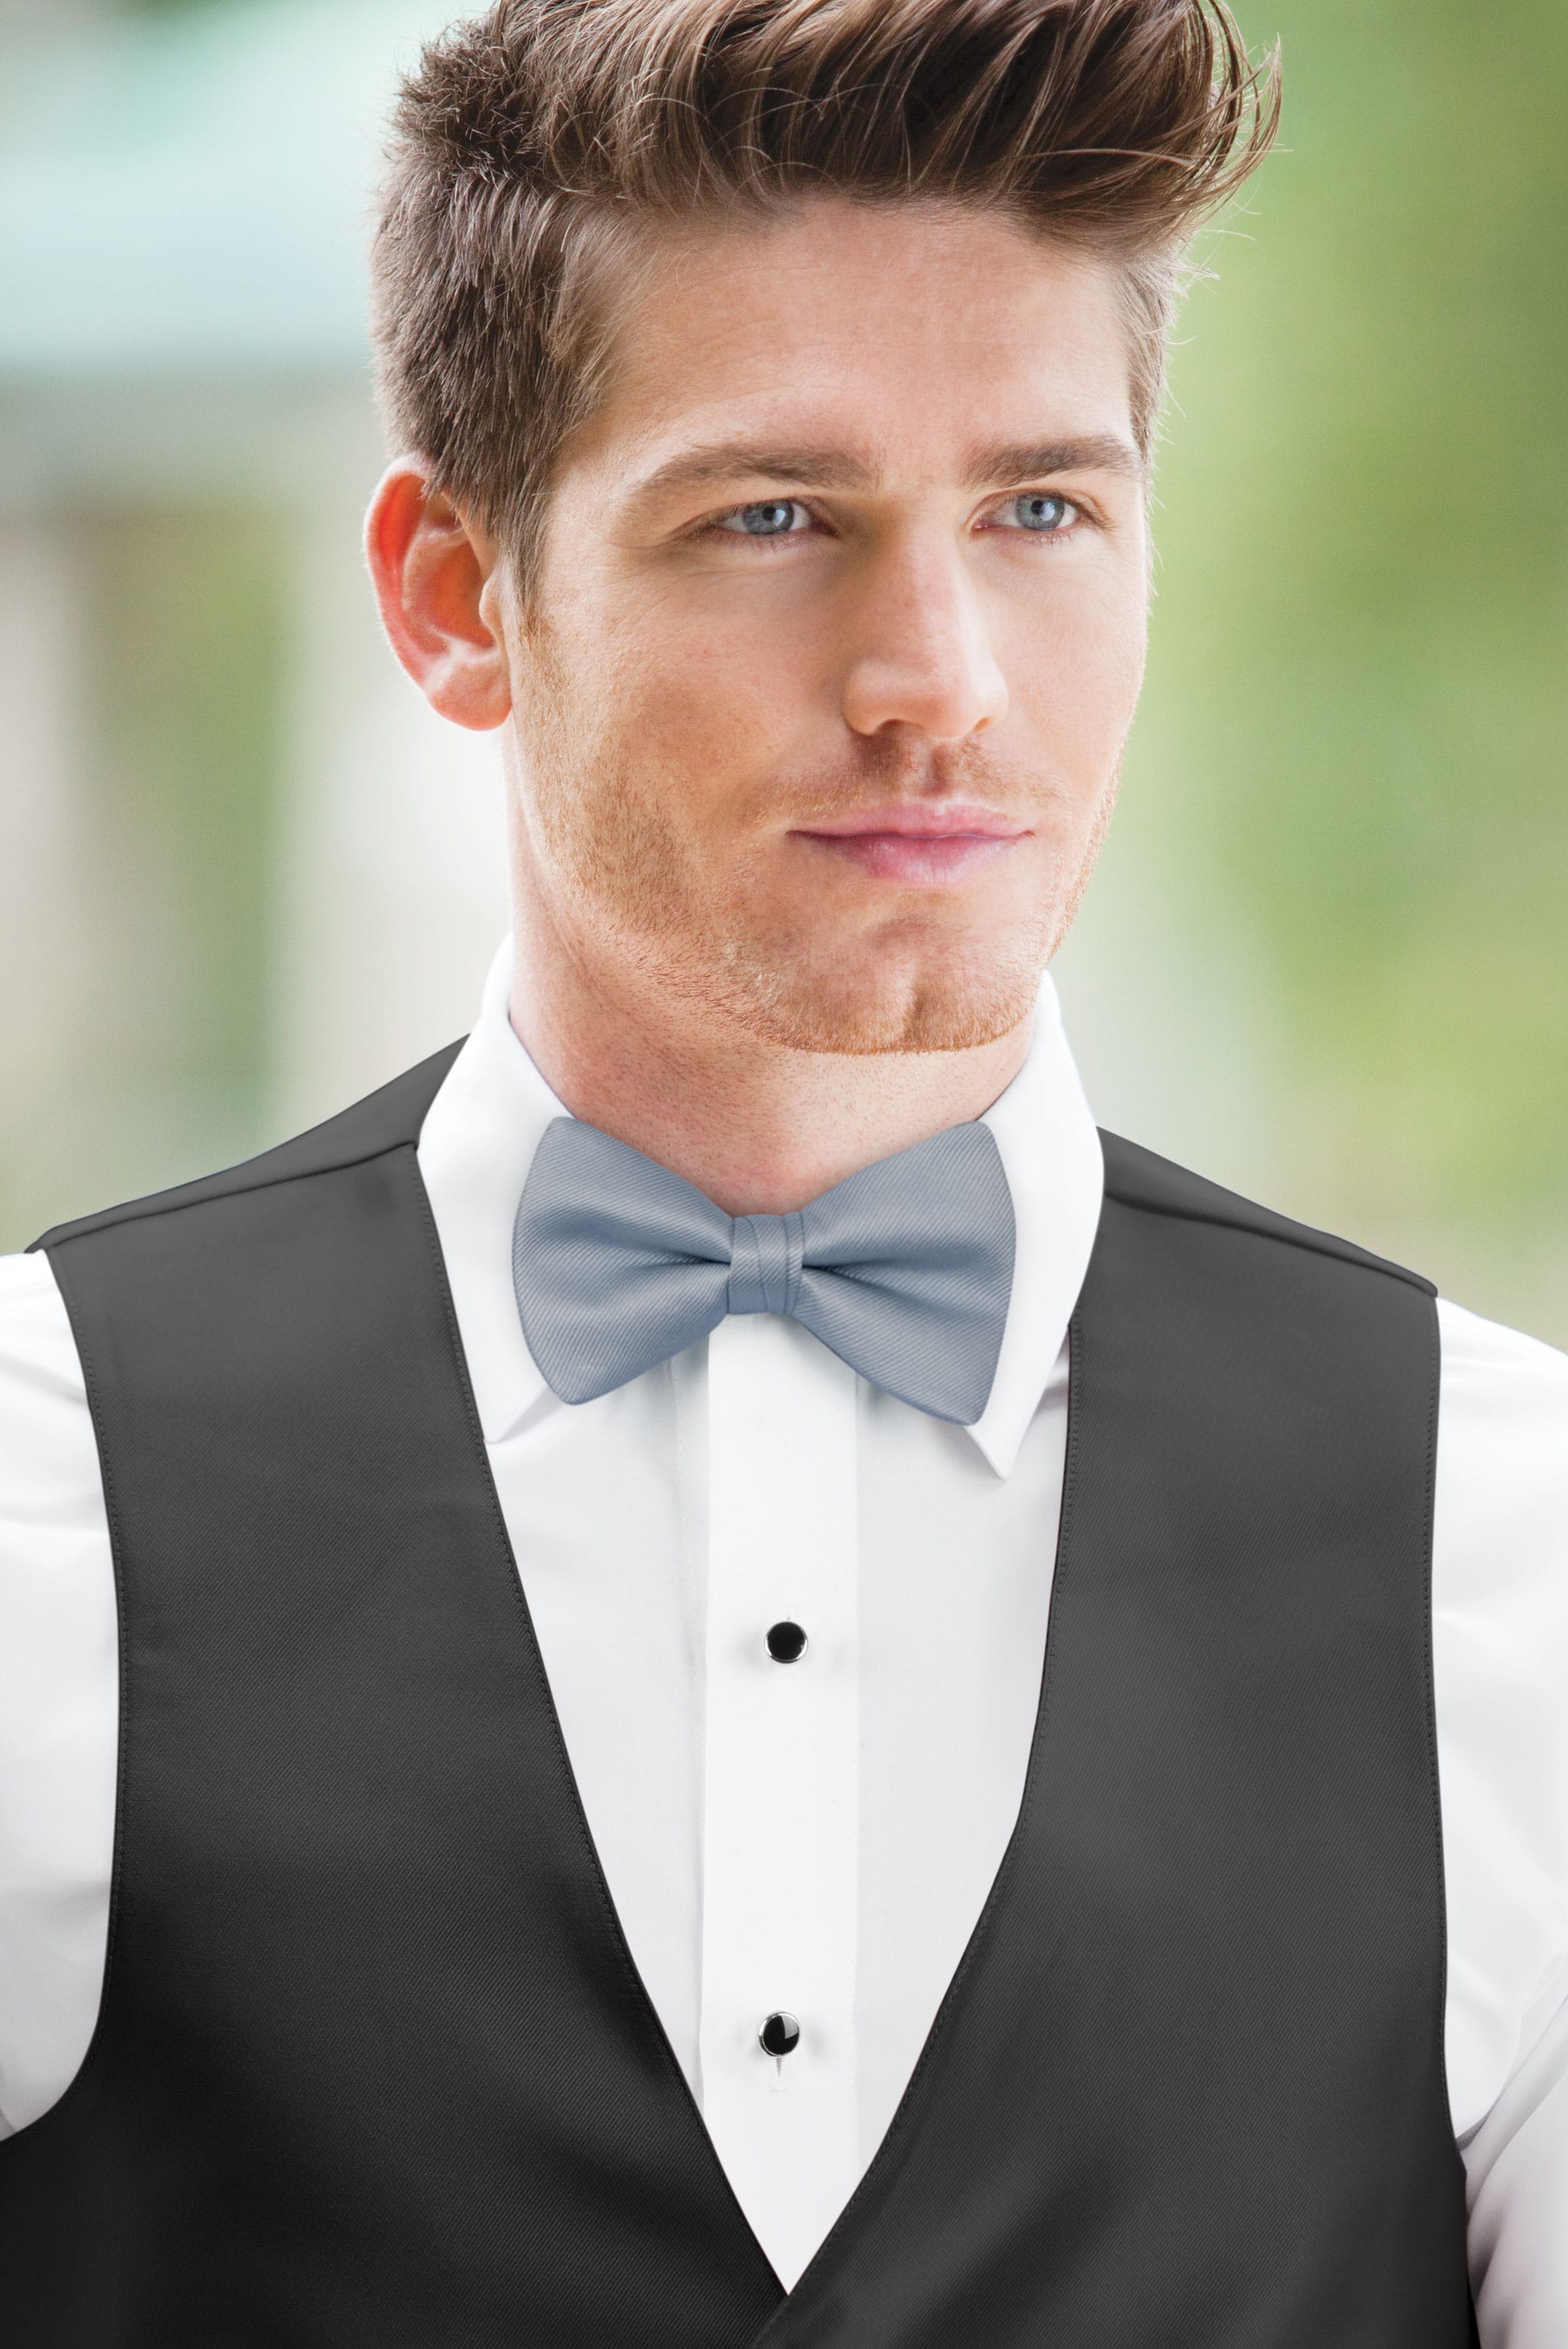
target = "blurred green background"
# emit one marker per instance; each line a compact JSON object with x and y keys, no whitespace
{"x":245,"y":875}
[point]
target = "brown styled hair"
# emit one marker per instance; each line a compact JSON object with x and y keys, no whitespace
{"x":532,"y":146}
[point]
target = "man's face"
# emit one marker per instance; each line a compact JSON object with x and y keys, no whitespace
{"x":838,"y":630}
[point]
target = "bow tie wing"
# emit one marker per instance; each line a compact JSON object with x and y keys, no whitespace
{"x":617,"y":1263}
{"x":908,"y":1270}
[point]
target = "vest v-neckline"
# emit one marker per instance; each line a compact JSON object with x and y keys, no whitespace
{"x":838,"y":2241}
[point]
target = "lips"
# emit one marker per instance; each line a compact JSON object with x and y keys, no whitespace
{"x":922,"y":842}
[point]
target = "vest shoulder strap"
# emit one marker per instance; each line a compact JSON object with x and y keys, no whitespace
{"x":385,"y":1120}
{"x":1136,"y":1177}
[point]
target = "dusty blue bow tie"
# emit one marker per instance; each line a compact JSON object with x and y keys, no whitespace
{"x":904,"y":1270}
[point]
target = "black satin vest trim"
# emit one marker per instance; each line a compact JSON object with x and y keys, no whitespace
{"x":374,"y":2068}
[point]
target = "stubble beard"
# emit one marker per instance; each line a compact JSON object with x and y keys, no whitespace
{"x":624,"y":884}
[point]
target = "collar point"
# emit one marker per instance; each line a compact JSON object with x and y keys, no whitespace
{"x":998,"y":1442}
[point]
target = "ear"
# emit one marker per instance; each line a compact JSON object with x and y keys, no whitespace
{"x":430,"y":570}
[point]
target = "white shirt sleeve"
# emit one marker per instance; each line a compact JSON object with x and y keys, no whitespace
{"x":1499,"y":1590}
{"x":58,"y":1700}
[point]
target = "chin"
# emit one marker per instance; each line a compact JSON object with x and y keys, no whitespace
{"x":867,"y":1009}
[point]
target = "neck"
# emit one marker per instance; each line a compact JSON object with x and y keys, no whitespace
{"x":759,"y":1128}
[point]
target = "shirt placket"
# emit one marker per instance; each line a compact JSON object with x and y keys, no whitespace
{"x":780,"y":1827}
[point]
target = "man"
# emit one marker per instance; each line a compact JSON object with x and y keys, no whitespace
{"x":604,"y":1849}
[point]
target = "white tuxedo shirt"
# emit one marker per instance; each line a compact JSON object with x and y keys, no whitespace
{"x":821,"y":1837}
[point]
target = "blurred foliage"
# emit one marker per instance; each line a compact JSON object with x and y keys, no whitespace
{"x":1366,"y":667}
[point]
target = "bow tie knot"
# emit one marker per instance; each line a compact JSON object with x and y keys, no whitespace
{"x":767,"y":1258}
{"x":903,"y":1270}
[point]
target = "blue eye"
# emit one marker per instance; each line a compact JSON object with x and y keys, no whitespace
{"x":769,"y":519}
{"x":1043,"y":513}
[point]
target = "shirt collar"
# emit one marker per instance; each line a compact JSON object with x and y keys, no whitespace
{"x":1050,"y":1153}
{"x":484,"y":1125}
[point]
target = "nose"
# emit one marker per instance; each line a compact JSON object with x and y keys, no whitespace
{"x":920,"y":650}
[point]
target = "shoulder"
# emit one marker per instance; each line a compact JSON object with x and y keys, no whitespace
{"x":1496,"y":1369}
{"x":1140,"y":1179}
{"x":388,"y":1119}
{"x":1501,"y":1535}
{"x":38,"y":1354}
{"x":1502,"y":1459}
{"x":49,"y":1482}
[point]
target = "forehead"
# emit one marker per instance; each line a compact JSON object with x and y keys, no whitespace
{"x":902,"y":332}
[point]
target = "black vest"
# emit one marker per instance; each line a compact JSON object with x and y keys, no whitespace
{"x":374,"y":2068}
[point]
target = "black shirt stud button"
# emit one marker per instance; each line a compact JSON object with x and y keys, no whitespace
{"x":785,"y":1645}
{"x":781,"y":2036}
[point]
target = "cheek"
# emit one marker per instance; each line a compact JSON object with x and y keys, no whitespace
{"x":650,"y":760}
{"x":706,"y":716}
{"x":1079,"y":677}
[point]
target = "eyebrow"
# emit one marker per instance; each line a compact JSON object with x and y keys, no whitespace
{"x":835,"y":468}
{"x":1096,"y":452}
